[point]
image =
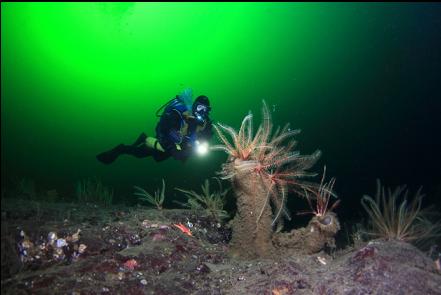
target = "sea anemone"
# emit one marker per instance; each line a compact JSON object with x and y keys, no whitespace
{"x":405,"y":221}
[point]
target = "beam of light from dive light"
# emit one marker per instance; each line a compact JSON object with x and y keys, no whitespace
{"x":201,"y":147}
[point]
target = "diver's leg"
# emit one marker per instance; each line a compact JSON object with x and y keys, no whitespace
{"x":143,"y":147}
{"x":140,"y":151}
{"x":110,"y":156}
{"x":159,"y":156}
{"x":158,"y":152}
{"x":137,"y":149}
{"x":141,"y":139}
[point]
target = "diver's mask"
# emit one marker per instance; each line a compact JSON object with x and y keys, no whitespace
{"x":201,"y":113}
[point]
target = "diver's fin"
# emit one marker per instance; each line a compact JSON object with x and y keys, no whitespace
{"x":110,"y":156}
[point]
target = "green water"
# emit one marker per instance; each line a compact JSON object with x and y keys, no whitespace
{"x":361,"y":81}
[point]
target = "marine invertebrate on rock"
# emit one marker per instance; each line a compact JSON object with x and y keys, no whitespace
{"x":212,"y":203}
{"x":263,"y":168}
{"x":156,"y":200}
{"x":94,"y":191}
{"x":184,"y":229}
{"x":400,"y":221}
{"x":318,"y":200}
{"x":320,"y":230}
{"x":131,"y":264}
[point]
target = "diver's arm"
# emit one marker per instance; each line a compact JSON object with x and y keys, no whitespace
{"x":177,"y":150}
{"x":173,"y":141}
{"x":180,"y":155}
{"x":207,"y":132}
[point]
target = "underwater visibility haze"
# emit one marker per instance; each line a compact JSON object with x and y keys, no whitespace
{"x":358,"y":84}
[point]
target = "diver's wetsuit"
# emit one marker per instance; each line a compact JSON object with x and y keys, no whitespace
{"x":174,"y":128}
{"x":178,"y":128}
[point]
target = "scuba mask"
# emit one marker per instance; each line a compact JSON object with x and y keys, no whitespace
{"x":201,"y":113}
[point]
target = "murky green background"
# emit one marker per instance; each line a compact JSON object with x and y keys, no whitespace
{"x":361,"y":80}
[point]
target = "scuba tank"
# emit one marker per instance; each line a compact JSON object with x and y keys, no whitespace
{"x":181,"y":106}
{"x":182,"y":102}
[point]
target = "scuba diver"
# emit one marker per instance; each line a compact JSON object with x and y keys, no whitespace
{"x":182,"y":128}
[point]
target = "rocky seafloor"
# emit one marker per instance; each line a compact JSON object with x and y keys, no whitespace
{"x":62,"y":248}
